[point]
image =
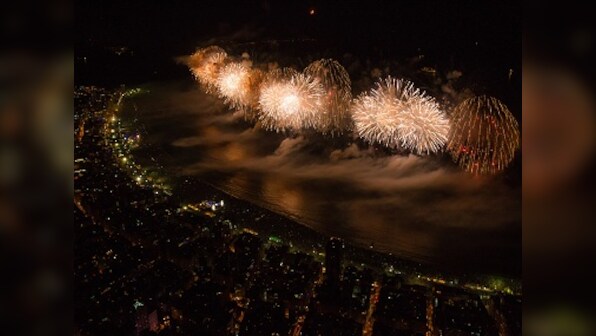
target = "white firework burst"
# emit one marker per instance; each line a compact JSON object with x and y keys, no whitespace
{"x":396,"y":114}
{"x":236,"y":83}
{"x":375,"y":119}
{"x":293,"y":103}
{"x":424,"y":128}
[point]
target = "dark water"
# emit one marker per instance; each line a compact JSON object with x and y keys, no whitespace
{"x":421,"y":208}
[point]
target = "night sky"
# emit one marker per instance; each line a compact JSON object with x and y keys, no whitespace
{"x":480,"y":37}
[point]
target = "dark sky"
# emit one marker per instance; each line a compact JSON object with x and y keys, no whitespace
{"x":176,"y":26}
{"x":481,"y":38}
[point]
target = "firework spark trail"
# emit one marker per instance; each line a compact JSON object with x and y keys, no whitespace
{"x":290,"y":104}
{"x":205,"y":65}
{"x":396,"y":114}
{"x":335,"y":117}
{"x":484,"y":135}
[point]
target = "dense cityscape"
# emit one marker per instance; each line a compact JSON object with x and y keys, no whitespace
{"x":148,"y":264}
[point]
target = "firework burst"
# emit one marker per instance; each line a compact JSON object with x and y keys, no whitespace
{"x":424,"y":127}
{"x":335,"y":116}
{"x":205,"y":65}
{"x":484,"y":135}
{"x":237,"y":84}
{"x":290,"y":103}
{"x":396,"y":114}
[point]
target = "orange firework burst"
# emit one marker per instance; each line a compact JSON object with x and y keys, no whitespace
{"x":205,"y":65}
{"x":484,"y":135}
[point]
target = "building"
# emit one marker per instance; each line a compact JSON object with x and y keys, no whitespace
{"x":333,"y":259}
